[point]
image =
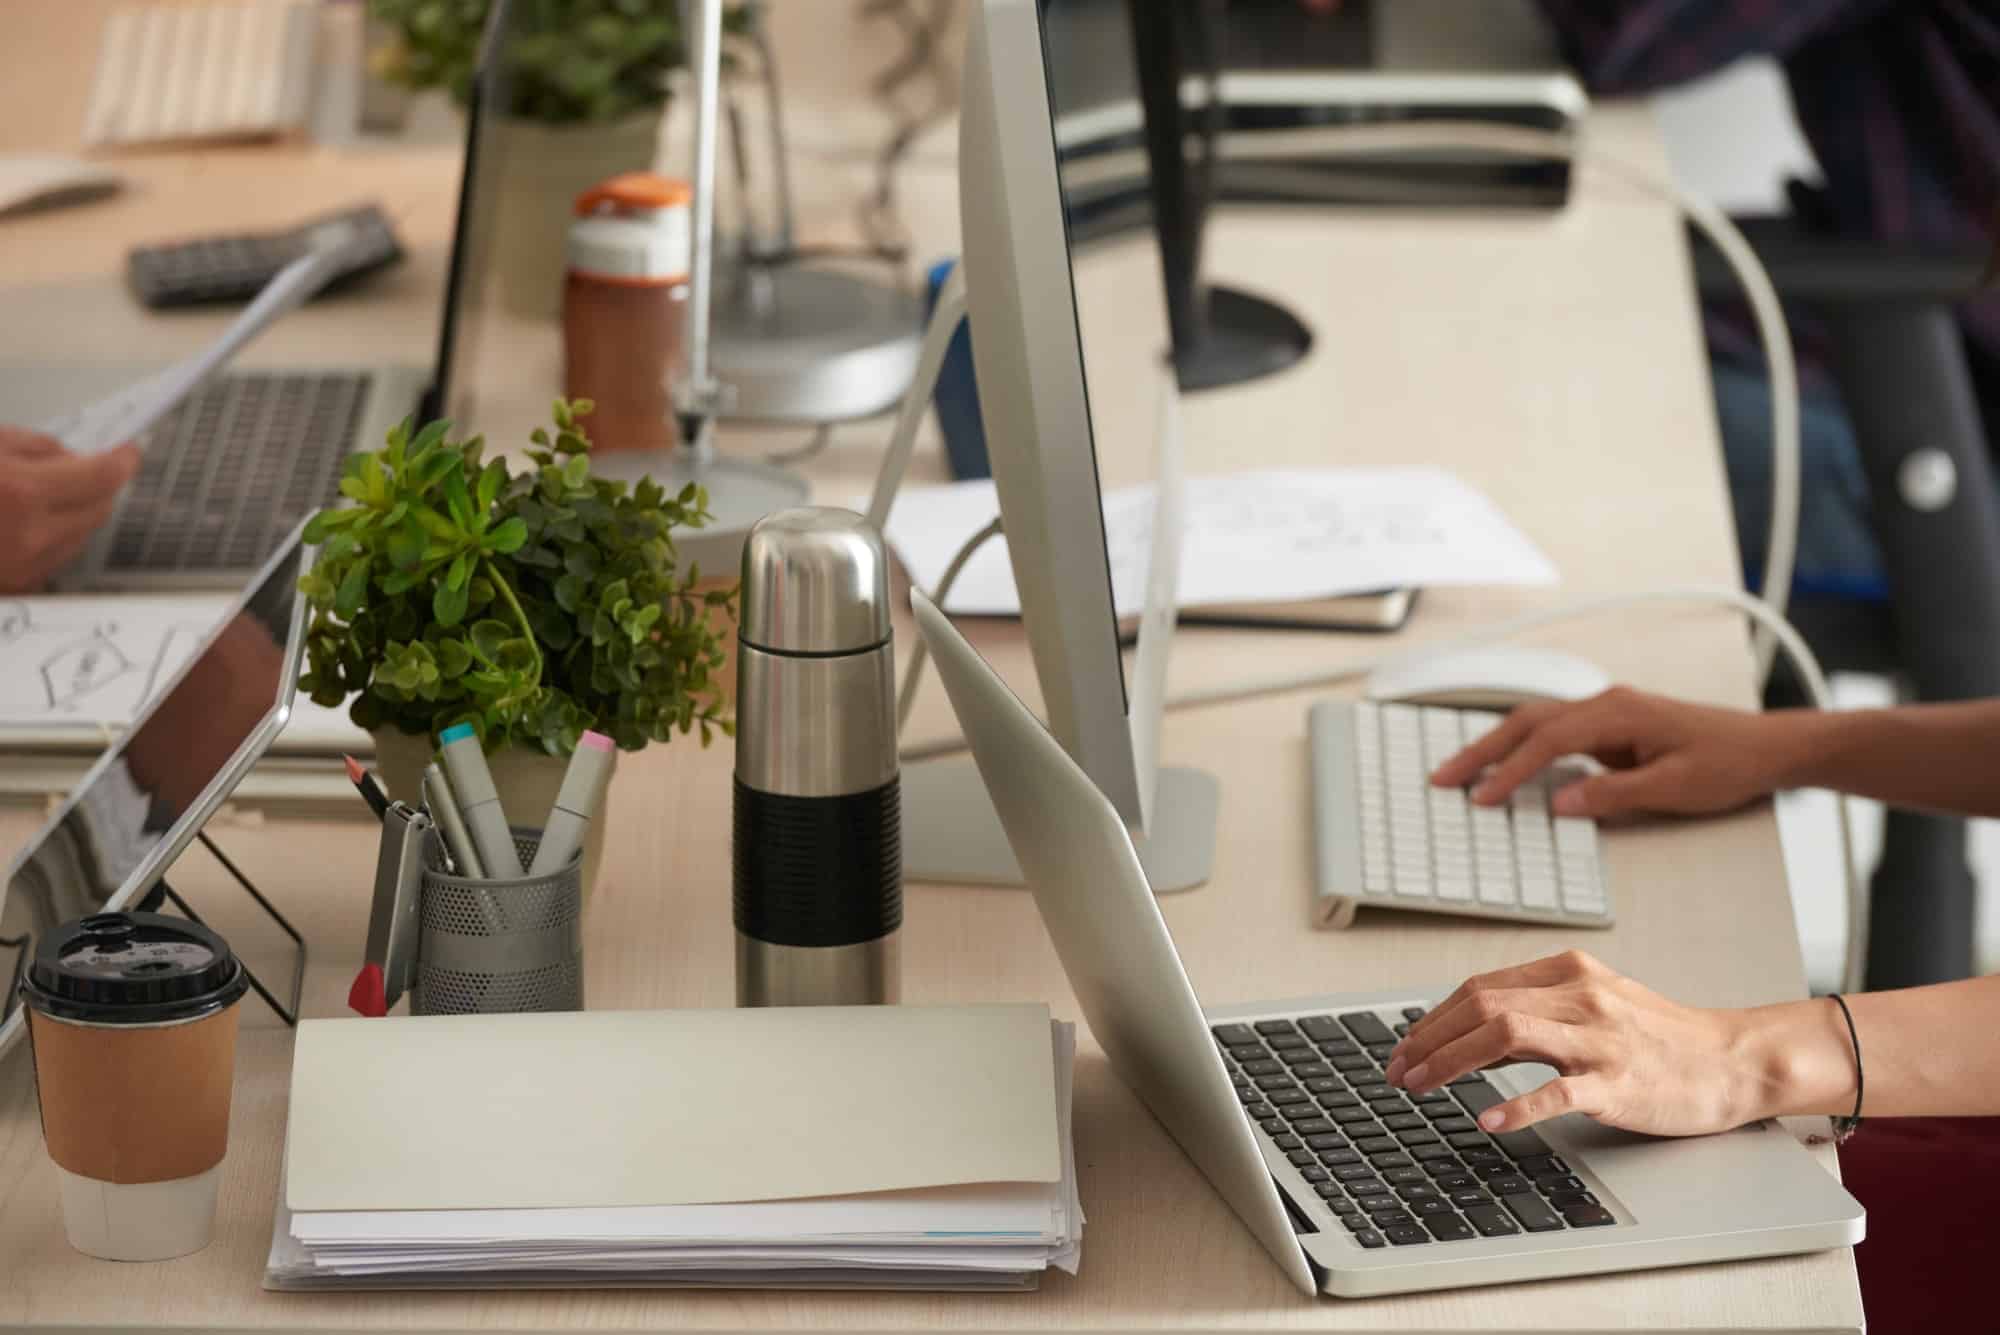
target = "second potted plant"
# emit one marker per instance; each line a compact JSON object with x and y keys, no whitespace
{"x":531,"y":605}
{"x":585,"y":91}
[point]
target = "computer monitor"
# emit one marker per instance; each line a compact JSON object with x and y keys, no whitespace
{"x":1155,"y":64}
{"x":1061,"y":379}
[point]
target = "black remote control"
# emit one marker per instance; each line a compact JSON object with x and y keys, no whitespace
{"x":236,"y":268}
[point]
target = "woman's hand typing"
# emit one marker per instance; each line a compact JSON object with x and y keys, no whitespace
{"x":1626,"y":1055}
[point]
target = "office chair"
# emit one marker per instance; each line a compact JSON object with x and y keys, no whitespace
{"x":1899,"y":360}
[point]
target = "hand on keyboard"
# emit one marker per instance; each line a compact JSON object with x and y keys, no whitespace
{"x":51,"y":502}
{"x":1629,"y":1057}
{"x":1660,"y":755}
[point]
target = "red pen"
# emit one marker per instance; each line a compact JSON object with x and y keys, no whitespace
{"x":364,"y":783}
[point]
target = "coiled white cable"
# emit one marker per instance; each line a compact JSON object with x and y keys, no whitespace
{"x":913,"y":674}
{"x":1770,"y":629}
{"x":1766,"y":310}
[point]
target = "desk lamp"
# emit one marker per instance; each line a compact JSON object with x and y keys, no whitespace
{"x":740,"y":491}
{"x":770,"y":338}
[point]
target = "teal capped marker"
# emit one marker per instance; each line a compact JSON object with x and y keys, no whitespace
{"x":478,"y":801}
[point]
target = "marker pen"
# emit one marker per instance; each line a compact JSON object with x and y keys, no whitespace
{"x":478,"y":802}
{"x":444,"y":813}
{"x":576,"y":802}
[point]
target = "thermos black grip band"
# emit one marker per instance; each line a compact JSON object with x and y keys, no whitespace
{"x":819,"y":871}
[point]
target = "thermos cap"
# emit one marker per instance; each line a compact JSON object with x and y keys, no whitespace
{"x":815,"y":581}
{"x":133,"y":968}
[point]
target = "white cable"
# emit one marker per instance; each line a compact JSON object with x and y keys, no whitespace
{"x":947,"y":313}
{"x":1765,"y":308}
{"x":1766,"y":618}
{"x":913,"y":676}
{"x":1772,"y":631}
{"x":1782,"y":544}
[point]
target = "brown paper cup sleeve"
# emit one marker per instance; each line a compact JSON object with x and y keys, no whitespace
{"x":135,"y":1104}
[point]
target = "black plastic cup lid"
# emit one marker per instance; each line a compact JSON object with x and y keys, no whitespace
{"x":133,"y":968}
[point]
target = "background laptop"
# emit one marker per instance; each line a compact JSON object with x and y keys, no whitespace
{"x":248,"y":456}
{"x":152,"y":790}
{"x":1353,"y":1187}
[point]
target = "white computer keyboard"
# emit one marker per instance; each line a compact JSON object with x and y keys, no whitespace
{"x":1386,"y":837}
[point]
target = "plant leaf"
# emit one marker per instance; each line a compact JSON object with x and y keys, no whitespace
{"x":459,"y":501}
{"x":406,"y":545}
{"x":353,"y":588}
{"x":487,"y":637}
{"x":433,"y":467}
{"x":427,"y":439}
{"x":453,"y":658}
{"x":448,"y":604}
{"x":509,"y":536}
{"x":491,"y":480}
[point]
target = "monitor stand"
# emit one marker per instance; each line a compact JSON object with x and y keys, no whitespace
{"x":952,"y":835}
{"x":1238,"y":336}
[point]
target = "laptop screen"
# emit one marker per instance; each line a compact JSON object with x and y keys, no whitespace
{"x":464,"y":270}
{"x":119,"y":827}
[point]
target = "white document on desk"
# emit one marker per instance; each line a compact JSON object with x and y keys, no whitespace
{"x":629,"y":1108}
{"x":75,"y":670}
{"x":1280,"y":536}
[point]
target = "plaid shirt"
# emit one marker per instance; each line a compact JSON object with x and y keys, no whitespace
{"x":1900,"y":100}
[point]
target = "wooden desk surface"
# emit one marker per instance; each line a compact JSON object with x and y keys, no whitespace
{"x":1553,"y":361}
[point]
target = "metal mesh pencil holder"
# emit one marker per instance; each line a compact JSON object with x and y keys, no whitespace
{"x":491,"y":946}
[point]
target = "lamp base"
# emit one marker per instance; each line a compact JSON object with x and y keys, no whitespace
{"x":800,"y":345}
{"x":1245,"y":337}
{"x":740,"y":492}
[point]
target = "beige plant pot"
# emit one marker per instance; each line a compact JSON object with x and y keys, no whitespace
{"x":527,"y":782}
{"x":529,"y":187}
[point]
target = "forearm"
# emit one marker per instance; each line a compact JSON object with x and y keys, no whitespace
{"x":1936,"y":757}
{"x":1926,"y":1052}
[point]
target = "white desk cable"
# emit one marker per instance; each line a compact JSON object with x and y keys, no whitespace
{"x":1760,"y":612}
{"x":1771,"y":631}
{"x":1765,"y":308}
{"x":913,"y":675}
{"x":947,"y":314}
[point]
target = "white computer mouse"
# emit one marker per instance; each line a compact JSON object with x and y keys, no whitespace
{"x":1495,"y":678}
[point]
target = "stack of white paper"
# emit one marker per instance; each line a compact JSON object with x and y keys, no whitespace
{"x":1279,"y":536}
{"x":971,"y":1230}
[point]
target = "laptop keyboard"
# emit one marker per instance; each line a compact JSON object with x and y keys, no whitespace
{"x":234,"y":468}
{"x":1395,"y":1169}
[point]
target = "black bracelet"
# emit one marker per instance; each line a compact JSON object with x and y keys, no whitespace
{"x":1843,"y":1127}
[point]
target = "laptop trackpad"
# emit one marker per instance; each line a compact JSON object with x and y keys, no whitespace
{"x":1677,"y":1181}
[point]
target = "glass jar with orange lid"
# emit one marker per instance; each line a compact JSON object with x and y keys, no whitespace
{"x":625,"y":307}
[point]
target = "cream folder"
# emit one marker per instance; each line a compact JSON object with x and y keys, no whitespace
{"x":614,"y":1108}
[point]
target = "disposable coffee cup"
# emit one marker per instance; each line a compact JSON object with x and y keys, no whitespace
{"x":132,"y":1017}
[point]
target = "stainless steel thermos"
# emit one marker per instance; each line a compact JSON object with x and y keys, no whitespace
{"x":818,"y":838}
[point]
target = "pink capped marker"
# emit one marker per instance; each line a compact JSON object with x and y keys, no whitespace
{"x":576,"y":802}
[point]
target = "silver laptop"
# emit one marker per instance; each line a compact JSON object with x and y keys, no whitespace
{"x":238,"y":465}
{"x":1353,"y":1187}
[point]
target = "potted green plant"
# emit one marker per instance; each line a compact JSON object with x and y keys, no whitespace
{"x":586,"y":83}
{"x":533,"y":605}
